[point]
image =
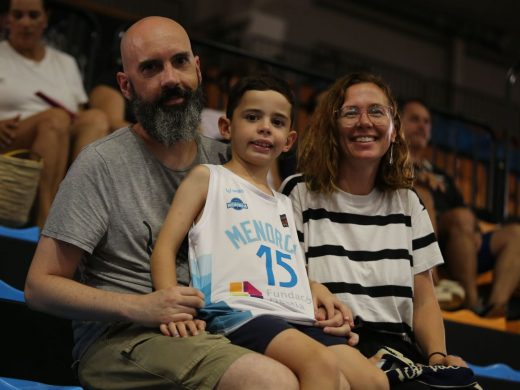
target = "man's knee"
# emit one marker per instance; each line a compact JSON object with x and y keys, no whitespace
{"x":506,"y":235}
{"x":255,"y":371}
{"x":94,"y":119}
{"x":459,"y":219}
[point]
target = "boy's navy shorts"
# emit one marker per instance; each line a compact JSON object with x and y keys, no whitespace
{"x":260,"y":331}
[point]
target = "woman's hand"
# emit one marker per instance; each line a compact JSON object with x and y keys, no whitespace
{"x":449,"y":360}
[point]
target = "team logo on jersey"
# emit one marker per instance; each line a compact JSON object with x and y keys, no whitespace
{"x":283,"y":219}
{"x":244,"y":289}
{"x":236,"y":204}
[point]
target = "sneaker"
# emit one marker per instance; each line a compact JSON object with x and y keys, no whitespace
{"x":399,"y":368}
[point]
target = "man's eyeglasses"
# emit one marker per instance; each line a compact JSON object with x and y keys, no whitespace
{"x":378,"y":114}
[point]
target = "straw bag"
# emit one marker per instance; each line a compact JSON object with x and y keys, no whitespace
{"x":19,"y":178}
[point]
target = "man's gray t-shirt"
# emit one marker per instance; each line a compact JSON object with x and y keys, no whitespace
{"x":112,"y":204}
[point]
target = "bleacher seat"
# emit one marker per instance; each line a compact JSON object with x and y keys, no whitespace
{"x":22,"y":384}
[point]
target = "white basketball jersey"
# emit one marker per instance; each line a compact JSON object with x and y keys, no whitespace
{"x":245,"y":256}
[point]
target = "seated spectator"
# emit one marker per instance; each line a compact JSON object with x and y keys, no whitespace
{"x":365,"y":234}
{"x":467,"y":250}
{"x":46,"y":135}
{"x":106,"y":96}
{"x":36,"y":77}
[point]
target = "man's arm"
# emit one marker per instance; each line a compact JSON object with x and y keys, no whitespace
{"x":50,"y":287}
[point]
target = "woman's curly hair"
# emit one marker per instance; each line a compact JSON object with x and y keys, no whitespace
{"x":319,"y":149}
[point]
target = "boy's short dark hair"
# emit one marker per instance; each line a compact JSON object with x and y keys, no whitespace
{"x":259,"y":82}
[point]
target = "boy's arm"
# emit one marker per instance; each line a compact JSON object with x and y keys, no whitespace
{"x":187,"y":205}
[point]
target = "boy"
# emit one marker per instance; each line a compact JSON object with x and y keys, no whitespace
{"x":244,"y":251}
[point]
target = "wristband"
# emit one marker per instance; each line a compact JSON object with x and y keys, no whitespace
{"x":435,"y":353}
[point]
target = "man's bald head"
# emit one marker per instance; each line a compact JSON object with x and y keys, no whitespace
{"x":162,"y":80}
{"x":148,"y":31}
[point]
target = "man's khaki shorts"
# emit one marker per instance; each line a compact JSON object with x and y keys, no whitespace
{"x":135,"y":357}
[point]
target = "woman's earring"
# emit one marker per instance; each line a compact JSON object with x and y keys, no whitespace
{"x":391,"y":161}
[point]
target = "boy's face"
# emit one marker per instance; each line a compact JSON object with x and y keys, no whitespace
{"x":260,"y":128}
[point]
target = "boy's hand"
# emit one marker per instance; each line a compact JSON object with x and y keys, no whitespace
{"x":183,"y":328}
{"x":336,"y":326}
{"x":323,"y":298}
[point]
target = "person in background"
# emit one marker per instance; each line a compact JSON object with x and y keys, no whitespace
{"x":46,"y":135}
{"x":365,"y":233}
{"x":107,"y":97}
{"x":36,"y":77}
{"x":467,"y":250}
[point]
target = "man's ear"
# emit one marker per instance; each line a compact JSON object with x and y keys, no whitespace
{"x":124,"y":85}
{"x":224,"y":126}
{"x":291,"y":139}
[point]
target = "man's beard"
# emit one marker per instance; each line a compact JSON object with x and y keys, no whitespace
{"x":170,"y":124}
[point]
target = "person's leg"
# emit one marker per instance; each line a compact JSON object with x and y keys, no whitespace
{"x":458,"y":228}
{"x":315,"y":366}
{"x":112,"y":103}
{"x":47,"y":135}
{"x":505,"y":247}
{"x":132,"y":356}
{"x":88,"y":126}
{"x":255,"y":371}
{"x":360,"y":372}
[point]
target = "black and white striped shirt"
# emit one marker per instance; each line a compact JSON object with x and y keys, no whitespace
{"x":366,"y":249}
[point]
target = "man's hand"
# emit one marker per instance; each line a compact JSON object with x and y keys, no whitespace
{"x":183,"y":328}
{"x":8,"y":129}
{"x":173,"y":304}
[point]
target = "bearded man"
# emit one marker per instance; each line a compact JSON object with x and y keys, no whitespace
{"x":103,"y":224}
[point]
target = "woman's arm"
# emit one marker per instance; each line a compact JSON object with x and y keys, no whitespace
{"x":187,"y":205}
{"x":428,"y":324}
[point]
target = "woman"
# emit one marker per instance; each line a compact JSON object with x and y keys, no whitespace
{"x":365,"y":232}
